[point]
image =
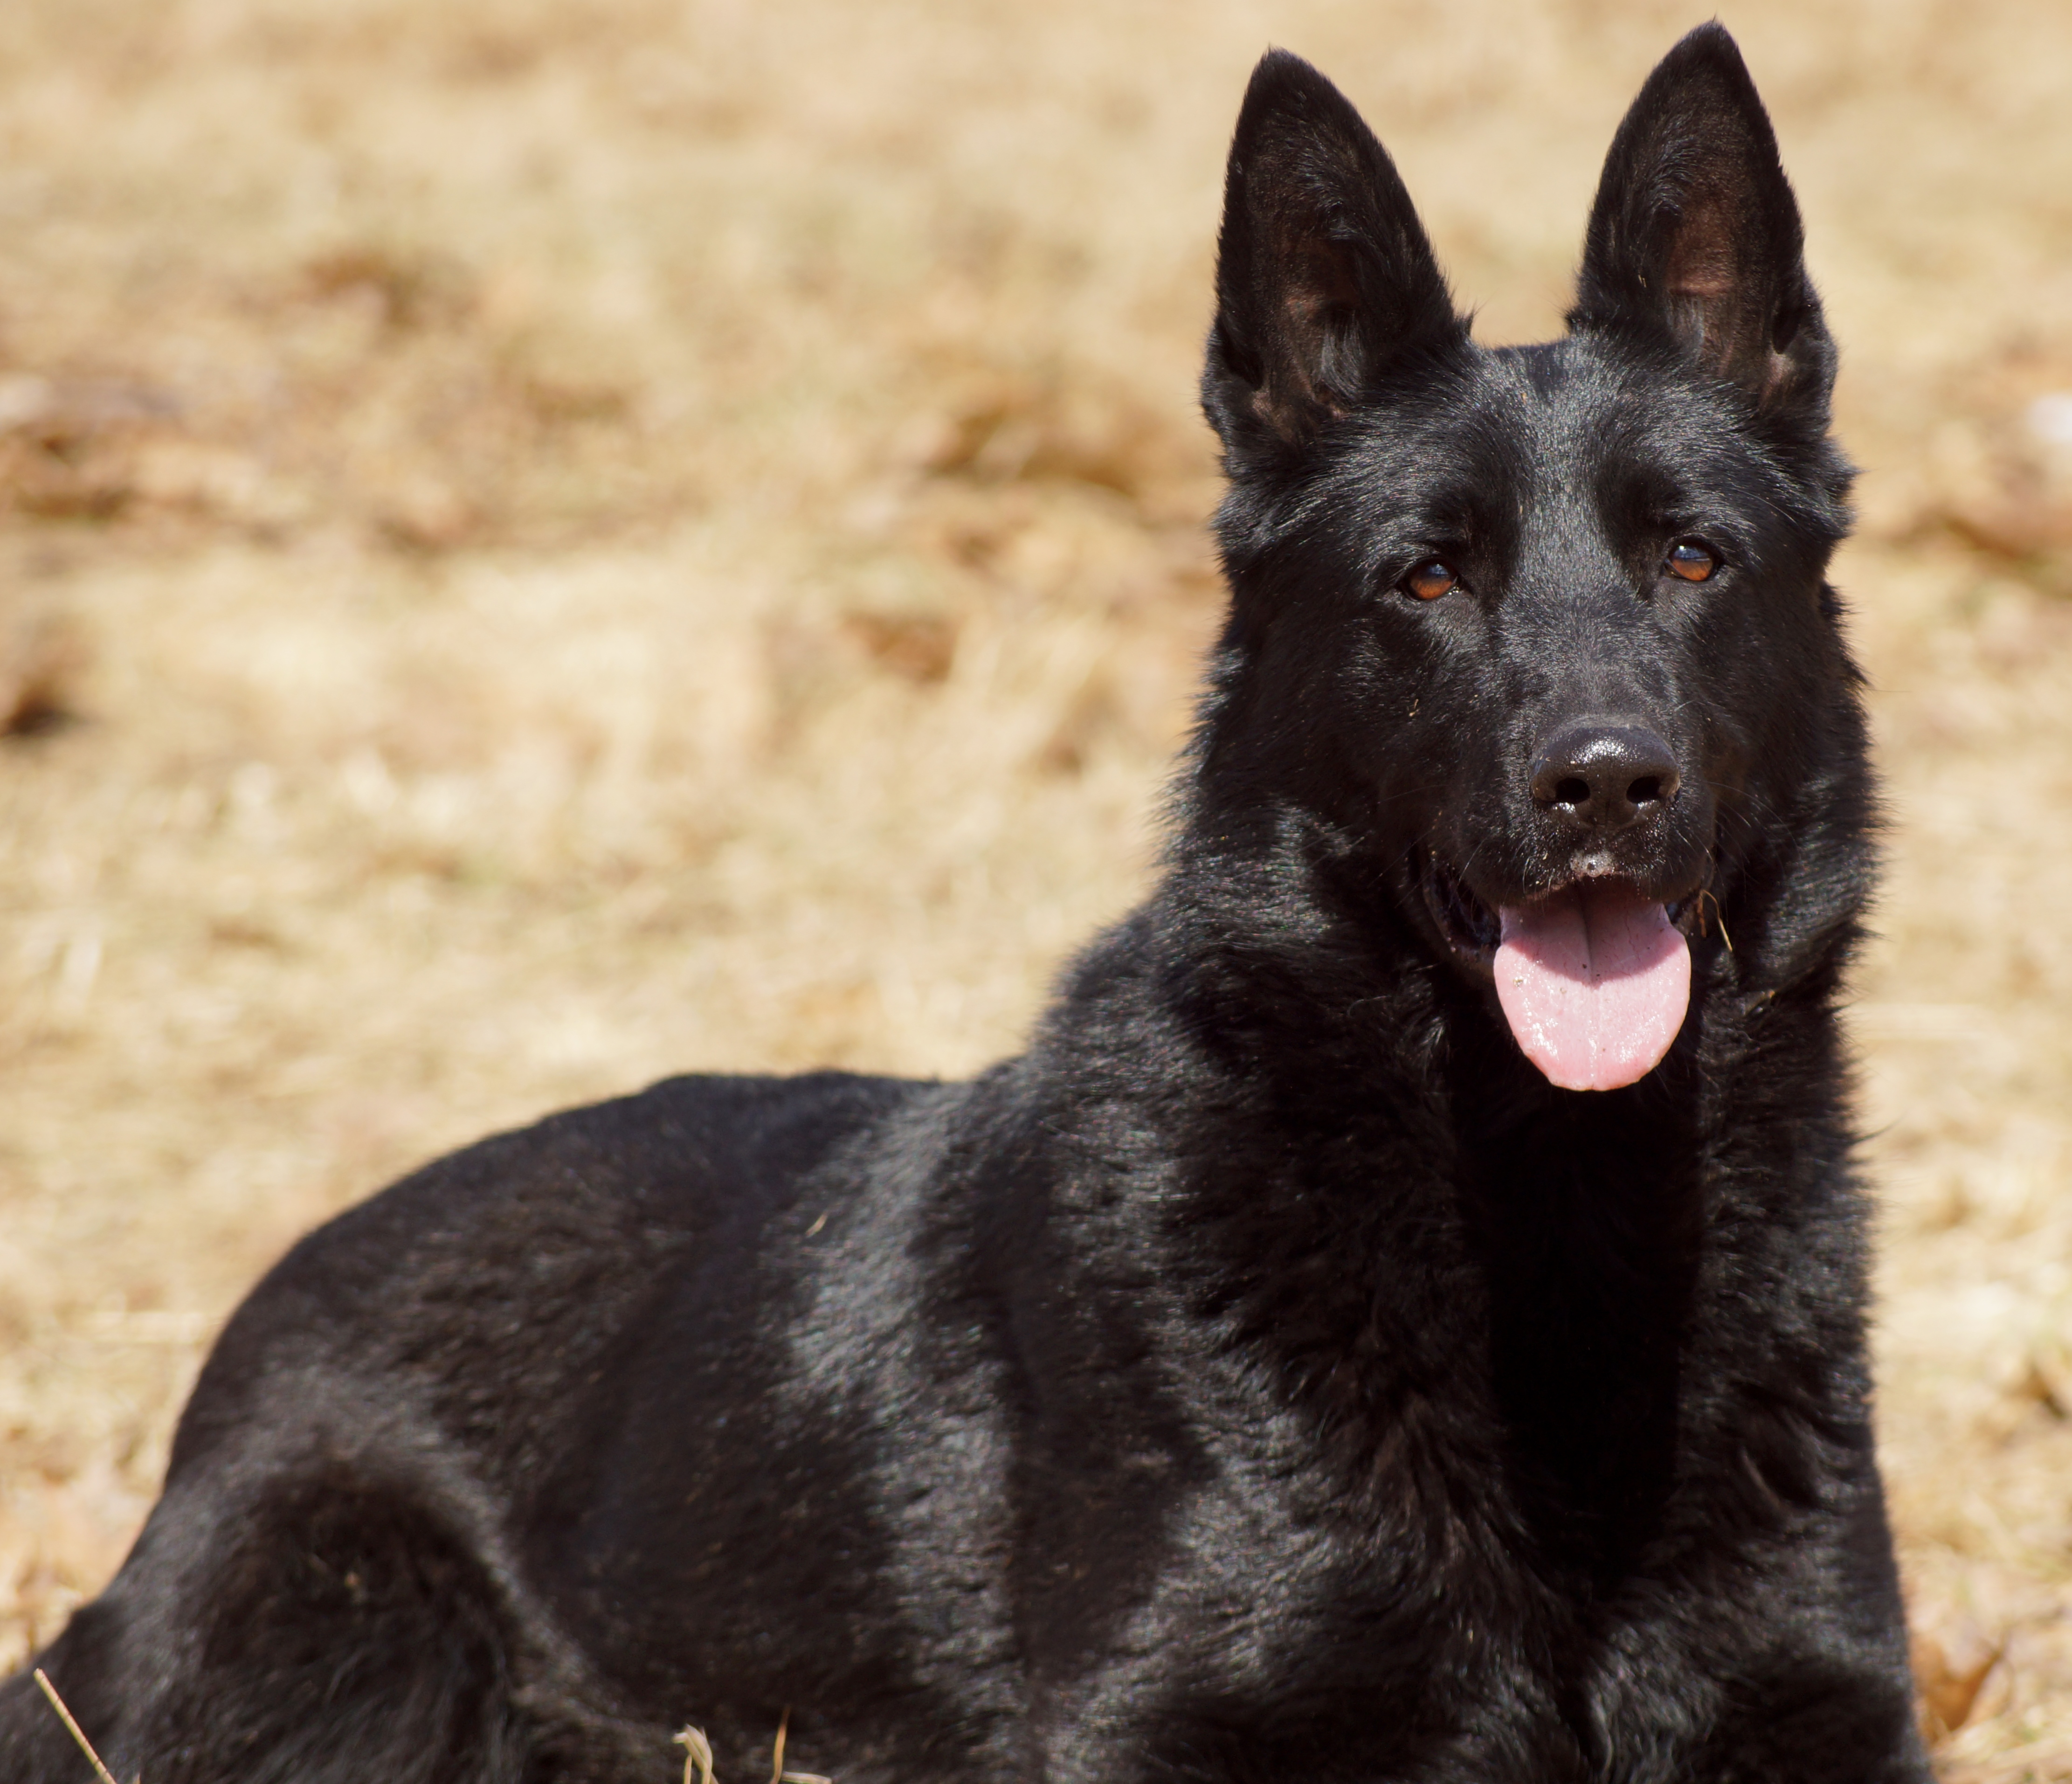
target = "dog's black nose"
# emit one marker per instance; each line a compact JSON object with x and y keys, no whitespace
{"x":1605,"y":776}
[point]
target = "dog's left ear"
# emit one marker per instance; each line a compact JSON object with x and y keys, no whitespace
{"x":1695,"y":233}
{"x":1323,"y":272}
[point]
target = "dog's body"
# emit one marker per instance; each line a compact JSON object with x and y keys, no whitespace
{"x":1272,"y":1373}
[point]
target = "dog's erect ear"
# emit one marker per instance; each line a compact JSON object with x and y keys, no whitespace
{"x":1694,"y":231}
{"x":1323,"y":270}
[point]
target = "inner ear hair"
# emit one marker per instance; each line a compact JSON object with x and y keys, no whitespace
{"x":1320,"y":363}
{"x":1737,"y":296}
{"x":1717,"y":308}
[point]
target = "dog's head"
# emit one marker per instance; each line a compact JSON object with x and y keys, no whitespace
{"x":1540,"y":634}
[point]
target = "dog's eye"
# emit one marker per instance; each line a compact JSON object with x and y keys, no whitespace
{"x":1431,"y":579}
{"x":1692,"y":559}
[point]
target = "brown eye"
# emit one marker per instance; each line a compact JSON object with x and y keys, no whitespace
{"x":1692,"y":561}
{"x":1431,"y":579}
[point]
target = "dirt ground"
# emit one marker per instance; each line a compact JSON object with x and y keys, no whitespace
{"x":543,"y":543}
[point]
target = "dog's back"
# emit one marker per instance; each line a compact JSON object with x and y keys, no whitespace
{"x":1403,"y":1317}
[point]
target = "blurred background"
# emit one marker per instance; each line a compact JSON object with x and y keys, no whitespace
{"x":544,"y":543}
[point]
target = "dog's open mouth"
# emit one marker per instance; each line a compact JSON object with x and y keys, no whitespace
{"x":1466,"y":920}
{"x":1594,"y":979}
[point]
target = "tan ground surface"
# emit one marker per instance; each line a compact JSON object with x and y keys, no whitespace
{"x":546,"y":543}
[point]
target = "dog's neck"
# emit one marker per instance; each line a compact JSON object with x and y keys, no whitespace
{"x":1363,"y":1117}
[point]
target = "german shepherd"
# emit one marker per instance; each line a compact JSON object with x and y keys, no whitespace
{"x":1403,"y":1318}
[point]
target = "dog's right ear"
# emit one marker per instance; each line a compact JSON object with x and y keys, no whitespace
{"x":1323,"y":271}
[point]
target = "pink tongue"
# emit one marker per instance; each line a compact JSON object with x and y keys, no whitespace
{"x":1593,"y":982}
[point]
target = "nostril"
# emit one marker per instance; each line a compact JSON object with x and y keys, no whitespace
{"x":1573,"y":791}
{"x":1644,"y":790}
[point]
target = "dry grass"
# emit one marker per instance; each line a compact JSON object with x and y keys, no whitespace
{"x":63,"y":1711}
{"x":545,"y":544}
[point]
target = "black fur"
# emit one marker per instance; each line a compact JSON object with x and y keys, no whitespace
{"x":1269,"y":1375}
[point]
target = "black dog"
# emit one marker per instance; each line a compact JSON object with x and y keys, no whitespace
{"x":1402,"y":1320}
